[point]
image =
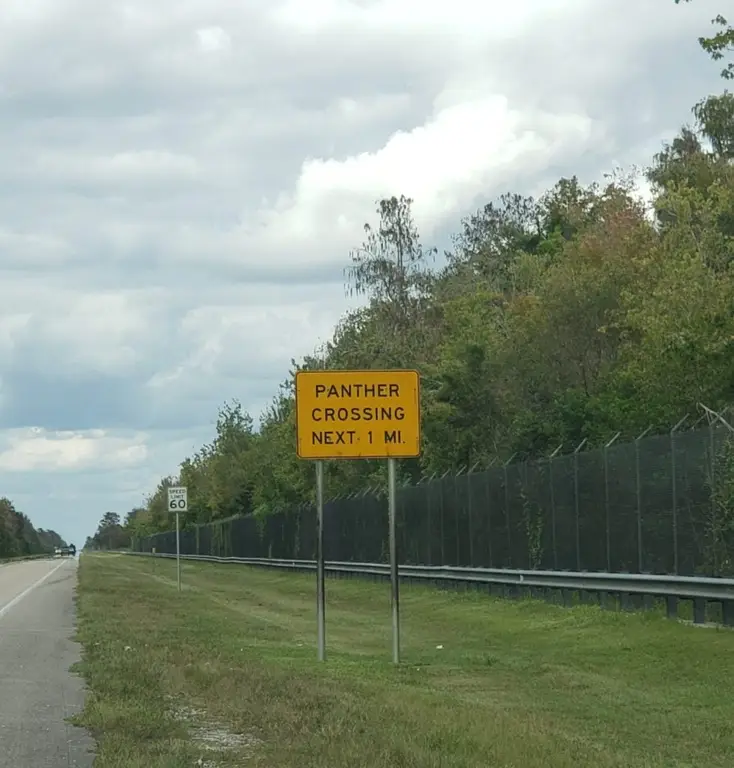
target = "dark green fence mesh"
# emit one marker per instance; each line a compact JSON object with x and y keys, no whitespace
{"x":645,"y":506}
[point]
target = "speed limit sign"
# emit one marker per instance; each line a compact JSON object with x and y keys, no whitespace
{"x":178,"y":499}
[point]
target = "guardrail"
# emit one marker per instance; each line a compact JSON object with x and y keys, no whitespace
{"x":631,"y":590}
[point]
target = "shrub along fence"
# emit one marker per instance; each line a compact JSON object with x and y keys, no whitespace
{"x":659,"y":504}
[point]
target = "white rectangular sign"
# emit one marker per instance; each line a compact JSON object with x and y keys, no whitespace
{"x":178,"y":499}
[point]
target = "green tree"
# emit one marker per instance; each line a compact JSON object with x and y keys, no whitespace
{"x":19,"y":537}
{"x":390,"y":265}
{"x":389,"y":269}
{"x":491,"y":240}
{"x":229,"y":462}
{"x":110,"y":534}
{"x":715,"y":116}
{"x":719,"y":44}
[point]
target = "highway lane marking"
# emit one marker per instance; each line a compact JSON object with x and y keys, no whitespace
{"x":5,"y":608}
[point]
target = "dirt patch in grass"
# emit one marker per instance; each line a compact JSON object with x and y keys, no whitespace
{"x":224,"y":673}
{"x":210,"y":735}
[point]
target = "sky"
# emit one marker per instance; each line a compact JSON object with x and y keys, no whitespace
{"x":181,"y":182}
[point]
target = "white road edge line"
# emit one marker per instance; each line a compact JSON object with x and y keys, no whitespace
{"x":28,"y":590}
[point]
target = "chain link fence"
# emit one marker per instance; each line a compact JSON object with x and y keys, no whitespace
{"x":659,"y":504}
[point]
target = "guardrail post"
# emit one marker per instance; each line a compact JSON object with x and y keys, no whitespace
{"x":699,"y":611}
{"x":671,"y":607}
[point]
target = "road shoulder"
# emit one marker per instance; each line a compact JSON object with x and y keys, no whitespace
{"x":38,"y":652}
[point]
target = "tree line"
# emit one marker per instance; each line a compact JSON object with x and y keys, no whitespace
{"x":18,"y":537}
{"x":571,"y":317}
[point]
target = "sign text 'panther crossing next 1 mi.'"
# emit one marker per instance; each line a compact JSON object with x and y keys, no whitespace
{"x":358,"y":414}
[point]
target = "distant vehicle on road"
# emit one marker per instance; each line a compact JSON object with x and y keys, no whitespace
{"x":68,"y":551}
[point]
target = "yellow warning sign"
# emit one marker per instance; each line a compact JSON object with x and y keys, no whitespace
{"x":358,"y":414}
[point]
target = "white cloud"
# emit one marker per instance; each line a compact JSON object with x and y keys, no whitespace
{"x":10,"y":326}
{"x":466,"y":147}
{"x":67,"y":333}
{"x":213,"y":39}
{"x":408,"y":17}
{"x":142,"y":167}
{"x":33,"y":249}
{"x":34,"y":450}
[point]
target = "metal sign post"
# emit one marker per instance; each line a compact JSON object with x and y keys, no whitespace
{"x":394,"y":581}
{"x":178,"y":551}
{"x":320,"y":585}
{"x":357,"y":415}
{"x":178,"y":501}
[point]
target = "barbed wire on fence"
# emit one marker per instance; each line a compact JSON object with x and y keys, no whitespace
{"x":660,"y":503}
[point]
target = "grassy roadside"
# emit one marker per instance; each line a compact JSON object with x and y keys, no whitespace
{"x":21,"y":558}
{"x":225,"y":674}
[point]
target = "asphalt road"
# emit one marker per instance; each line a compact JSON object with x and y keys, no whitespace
{"x":37,"y":690}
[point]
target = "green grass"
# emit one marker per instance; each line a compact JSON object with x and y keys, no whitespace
{"x":514,"y":684}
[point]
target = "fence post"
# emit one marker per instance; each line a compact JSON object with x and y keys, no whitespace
{"x":457,"y":513}
{"x":713,"y":419}
{"x":470,"y":512}
{"x":442,"y":508}
{"x":674,"y":488}
{"x":606,"y":501}
{"x":553,"y":505}
{"x":640,"y":562}
{"x":488,"y":498}
{"x":576,"y":501}
{"x":429,"y":521}
{"x":507,"y":511}
{"x":429,"y":506}
{"x":713,"y":451}
{"x":714,"y":510}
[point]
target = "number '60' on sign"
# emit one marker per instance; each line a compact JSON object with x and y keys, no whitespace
{"x":178,"y":499}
